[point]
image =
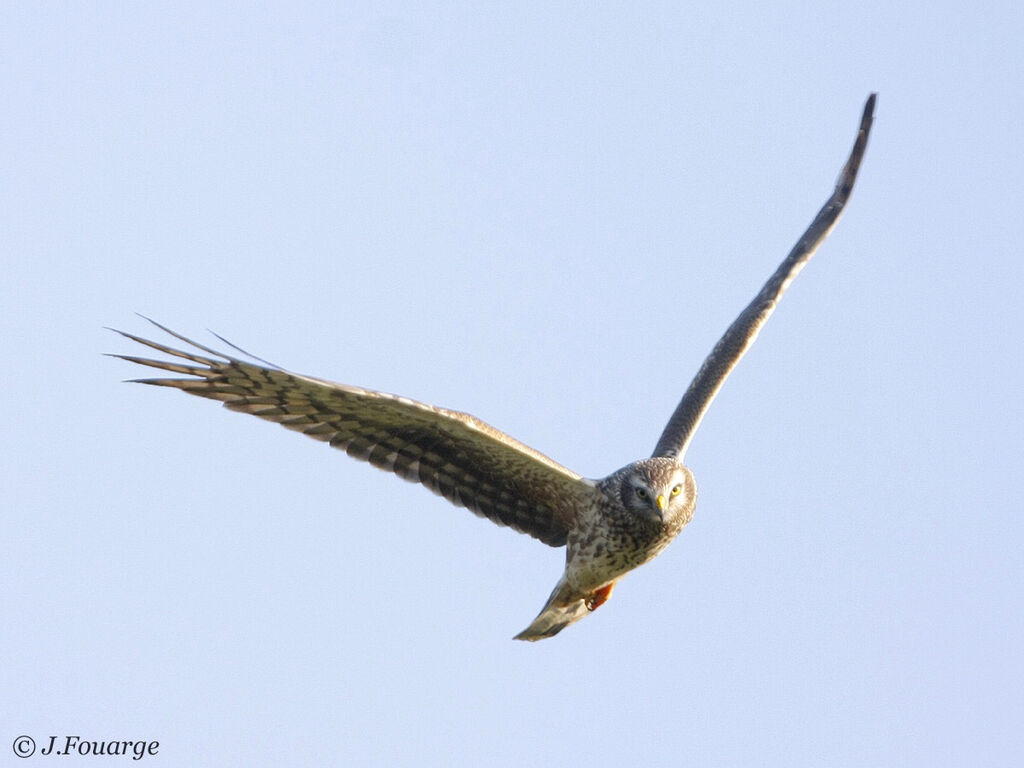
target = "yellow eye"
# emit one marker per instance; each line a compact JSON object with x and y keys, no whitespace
{"x":676,"y":490}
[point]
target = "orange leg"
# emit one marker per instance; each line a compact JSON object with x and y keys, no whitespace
{"x":599,"y":597}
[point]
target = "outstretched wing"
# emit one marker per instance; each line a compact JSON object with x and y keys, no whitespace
{"x":453,"y":454}
{"x":741,"y":334}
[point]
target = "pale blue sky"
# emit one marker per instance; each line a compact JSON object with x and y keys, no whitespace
{"x":544,"y":214}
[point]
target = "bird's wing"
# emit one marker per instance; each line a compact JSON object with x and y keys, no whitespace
{"x":453,"y":454}
{"x":741,"y":334}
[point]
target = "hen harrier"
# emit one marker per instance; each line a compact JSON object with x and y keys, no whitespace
{"x":609,"y":526}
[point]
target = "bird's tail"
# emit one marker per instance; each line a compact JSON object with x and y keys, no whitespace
{"x":563,"y":608}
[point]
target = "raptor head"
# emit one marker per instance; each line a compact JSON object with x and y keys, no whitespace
{"x":659,"y":491}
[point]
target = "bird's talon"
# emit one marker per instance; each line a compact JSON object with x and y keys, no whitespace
{"x":599,"y":597}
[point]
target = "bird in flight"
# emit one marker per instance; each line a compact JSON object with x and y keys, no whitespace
{"x":609,"y":526}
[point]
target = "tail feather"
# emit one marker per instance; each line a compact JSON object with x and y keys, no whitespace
{"x":563,"y":608}
{"x":553,"y":619}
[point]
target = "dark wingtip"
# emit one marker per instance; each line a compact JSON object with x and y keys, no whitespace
{"x":869,"y":113}
{"x":849,"y":173}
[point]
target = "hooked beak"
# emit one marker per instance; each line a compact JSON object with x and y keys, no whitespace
{"x":661,"y":504}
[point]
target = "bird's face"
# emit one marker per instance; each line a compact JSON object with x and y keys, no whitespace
{"x":659,"y":491}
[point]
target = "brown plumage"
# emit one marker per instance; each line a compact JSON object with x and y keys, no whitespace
{"x":609,"y":526}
